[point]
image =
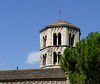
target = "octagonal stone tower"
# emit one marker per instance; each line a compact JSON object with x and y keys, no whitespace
{"x":54,"y":38}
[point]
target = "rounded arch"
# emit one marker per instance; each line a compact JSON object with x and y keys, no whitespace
{"x":54,"y":39}
{"x":55,"y":57}
{"x":44,"y":59}
{"x":59,"y":38}
{"x":44,"y":40}
{"x":46,"y":37}
{"x":59,"y":54}
{"x":45,"y":55}
{"x":72,"y":40}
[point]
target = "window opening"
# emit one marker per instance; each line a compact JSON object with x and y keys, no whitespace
{"x":72,"y":40}
{"x":55,"y":57}
{"x":59,"y":39}
{"x":59,"y":54}
{"x":54,"y":39}
{"x":44,"y":59}
{"x":44,"y":41}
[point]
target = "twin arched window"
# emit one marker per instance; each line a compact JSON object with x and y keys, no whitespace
{"x":56,"y":57}
{"x":55,"y":39}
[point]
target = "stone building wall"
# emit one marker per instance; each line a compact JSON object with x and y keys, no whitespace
{"x":36,"y":82}
{"x":64,"y":34}
{"x":50,"y":48}
{"x":49,"y":51}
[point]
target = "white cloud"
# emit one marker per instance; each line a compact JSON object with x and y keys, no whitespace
{"x":2,"y":63}
{"x":33,"y":57}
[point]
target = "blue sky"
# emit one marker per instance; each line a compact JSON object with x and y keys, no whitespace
{"x":21,"y":20}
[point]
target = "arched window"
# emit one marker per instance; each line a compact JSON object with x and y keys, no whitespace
{"x":59,"y":54}
{"x":54,"y":39}
{"x":59,"y":38}
{"x":72,"y":40}
{"x":55,"y":57}
{"x":44,"y":59}
{"x":44,"y":41}
{"x":69,"y":39}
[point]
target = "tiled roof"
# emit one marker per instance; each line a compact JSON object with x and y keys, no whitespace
{"x":32,"y":74}
{"x":60,"y":23}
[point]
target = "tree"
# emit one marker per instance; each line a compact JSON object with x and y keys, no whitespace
{"x":17,"y":68}
{"x":83,"y":62}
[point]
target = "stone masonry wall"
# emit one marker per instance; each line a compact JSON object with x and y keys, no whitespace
{"x":49,"y":42}
{"x":35,"y":82}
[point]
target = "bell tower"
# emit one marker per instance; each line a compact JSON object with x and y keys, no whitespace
{"x":54,"y":38}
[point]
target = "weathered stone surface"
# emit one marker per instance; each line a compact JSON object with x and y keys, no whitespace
{"x":59,"y":26}
{"x":35,"y":82}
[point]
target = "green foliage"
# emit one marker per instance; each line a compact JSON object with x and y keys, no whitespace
{"x":17,"y":68}
{"x":83,"y":62}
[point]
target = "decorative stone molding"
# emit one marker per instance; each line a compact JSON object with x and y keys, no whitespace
{"x":35,"y":82}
